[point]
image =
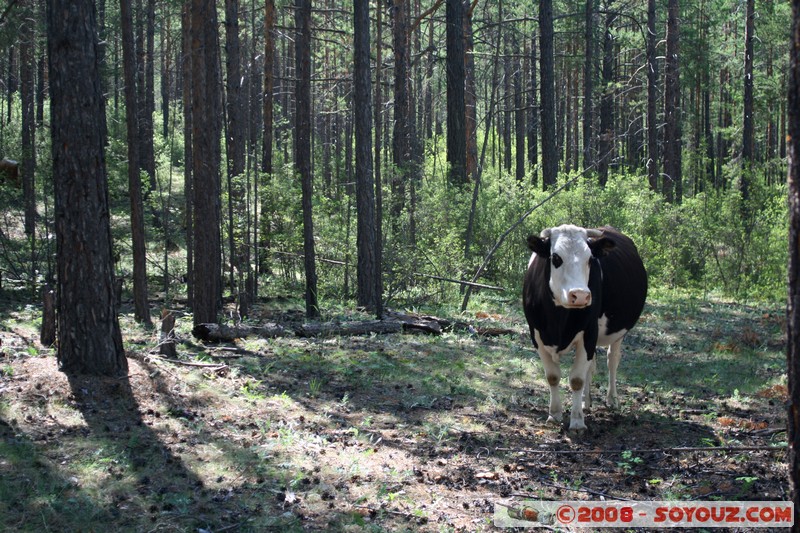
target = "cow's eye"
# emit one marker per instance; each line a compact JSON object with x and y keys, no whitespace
{"x":557,"y":261}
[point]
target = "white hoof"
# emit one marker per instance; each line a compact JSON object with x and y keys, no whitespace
{"x":554,"y":420}
{"x":577,"y":425}
{"x":613,"y":402}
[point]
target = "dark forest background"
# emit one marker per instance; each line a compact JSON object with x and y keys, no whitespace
{"x":664,"y":119}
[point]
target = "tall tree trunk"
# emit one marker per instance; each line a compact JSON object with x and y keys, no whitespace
{"x":519,"y":118}
{"x":27,"y":89}
{"x":377,"y":162}
{"x":588,"y":84}
{"x":652,"y":97}
{"x":206,"y":156}
{"x":302,"y":19}
{"x":401,"y":145}
{"x":142,"y":309}
{"x":747,"y":124}
{"x":470,"y":94}
{"x":149,"y":156}
{"x":40,"y":72}
{"x":89,"y":336}
{"x":548,"y":90}
{"x":188,"y":163}
{"x":793,"y":307}
{"x":672,"y":181}
{"x":365,"y":186}
{"x":235,"y":136}
{"x":12,"y":85}
{"x":428,"y":115}
{"x":607,"y":135}
{"x":508,"y":99}
{"x":533,"y":119}
{"x":166,"y":75}
{"x":269,"y":77}
{"x":236,"y":127}
{"x":456,"y":104}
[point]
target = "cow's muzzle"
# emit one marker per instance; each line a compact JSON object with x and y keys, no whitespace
{"x":579,"y":298}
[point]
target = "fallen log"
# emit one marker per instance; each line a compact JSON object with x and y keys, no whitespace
{"x":222,"y":333}
{"x":332,"y":329}
{"x":411,"y":323}
{"x":393,"y":322}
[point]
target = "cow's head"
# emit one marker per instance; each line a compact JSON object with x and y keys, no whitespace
{"x":570,"y":250}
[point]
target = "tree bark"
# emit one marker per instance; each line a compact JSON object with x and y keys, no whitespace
{"x":652,"y":97}
{"x":748,"y":104}
{"x":607,"y":135}
{"x":508,"y":99}
{"x":672,"y":180}
{"x":141,"y":306}
{"x":166,"y":340}
{"x":47,"y":335}
{"x":186,"y":82}
{"x":365,"y":186}
{"x":89,"y":336}
{"x":303,"y":145}
{"x":27,"y":90}
{"x":166,"y":75}
{"x":206,"y":130}
{"x":793,"y":307}
{"x":588,"y":83}
{"x":269,"y":98}
{"x":533,"y":119}
{"x":236,"y":127}
{"x":401,"y":134}
{"x":456,"y":104}
{"x":377,"y":163}
{"x":148,"y":154}
{"x":519,"y":118}
{"x":470,"y":95}
{"x":548,"y":98}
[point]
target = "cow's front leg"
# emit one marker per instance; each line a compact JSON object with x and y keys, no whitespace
{"x":552,"y":372}
{"x":577,"y":380}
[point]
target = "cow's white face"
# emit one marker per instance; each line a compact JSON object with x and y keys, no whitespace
{"x":569,"y":250}
{"x":569,"y":266}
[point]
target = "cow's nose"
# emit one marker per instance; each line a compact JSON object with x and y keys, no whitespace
{"x":580,"y":297}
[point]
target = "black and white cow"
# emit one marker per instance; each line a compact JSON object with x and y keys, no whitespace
{"x":584,"y":288}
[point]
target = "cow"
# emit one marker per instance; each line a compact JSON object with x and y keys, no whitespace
{"x":9,"y":173}
{"x":583,"y":288}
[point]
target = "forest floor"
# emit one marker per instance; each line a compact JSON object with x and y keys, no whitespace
{"x":384,"y":432}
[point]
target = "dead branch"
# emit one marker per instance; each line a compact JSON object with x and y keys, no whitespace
{"x":211,"y":366}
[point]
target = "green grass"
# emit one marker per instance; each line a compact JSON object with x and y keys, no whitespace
{"x":339,"y":423}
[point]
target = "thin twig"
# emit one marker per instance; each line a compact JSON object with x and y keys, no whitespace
{"x":579,"y":489}
{"x":680,"y":449}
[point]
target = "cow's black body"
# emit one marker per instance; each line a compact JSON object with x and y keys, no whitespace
{"x":583,"y":288}
{"x":618,"y":282}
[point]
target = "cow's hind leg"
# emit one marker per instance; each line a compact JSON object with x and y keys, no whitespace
{"x":587,"y":386}
{"x":614,"y":356}
{"x":552,"y":372}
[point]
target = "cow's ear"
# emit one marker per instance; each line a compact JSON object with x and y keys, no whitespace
{"x":540,"y":245}
{"x":601,"y":246}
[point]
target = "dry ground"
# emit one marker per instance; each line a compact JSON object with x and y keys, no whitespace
{"x":382,"y":433}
